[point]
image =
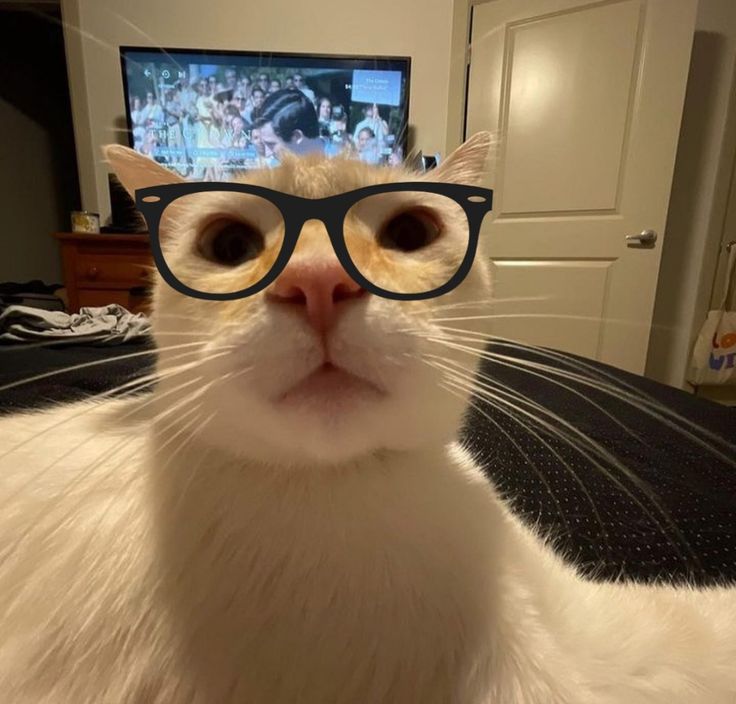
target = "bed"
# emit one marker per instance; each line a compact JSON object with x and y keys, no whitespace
{"x":628,"y":478}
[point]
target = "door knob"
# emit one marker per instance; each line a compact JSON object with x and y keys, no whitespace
{"x":647,"y":238}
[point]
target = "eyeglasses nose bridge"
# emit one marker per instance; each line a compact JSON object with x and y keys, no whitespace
{"x":311,"y":231}
{"x":320,"y":210}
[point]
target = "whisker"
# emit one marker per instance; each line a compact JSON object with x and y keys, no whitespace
{"x":22,"y":346}
{"x":134,"y":387}
{"x":69,"y":452}
{"x":538,"y":407}
{"x":568,"y":467}
{"x":638,"y":400}
{"x":486,"y":301}
{"x":499,"y":406}
{"x":556,"y":316}
{"x":183,"y":402}
{"x":159,"y":333}
{"x":99,"y":459}
{"x":586,"y":399}
{"x":154,"y":399}
{"x":98,"y":362}
{"x":561,"y":357}
{"x":195,"y":421}
{"x":49,"y":531}
{"x":591,"y":371}
{"x":146,"y":36}
{"x":449,"y":386}
{"x":469,"y":376}
{"x":40,"y":514}
{"x":502,"y":394}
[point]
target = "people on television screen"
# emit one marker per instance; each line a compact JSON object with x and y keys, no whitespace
{"x":137,"y":123}
{"x":187,"y":94}
{"x":257,"y":97}
{"x":174,"y":138}
{"x":208,"y":133}
{"x":324,"y":116}
{"x":373,"y":120}
{"x":152,"y":115}
{"x":244,"y":86}
{"x":367,"y":145}
{"x":395,"y":158}
{"x":289,"y":121}
{"x":300,"y":84}
{"x":231,"y":79}
{"x":206,"y":121}
{"x":257,"y":142}
{"x":240,"y":101}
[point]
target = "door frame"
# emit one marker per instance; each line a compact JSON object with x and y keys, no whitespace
{"x":462,"y":13}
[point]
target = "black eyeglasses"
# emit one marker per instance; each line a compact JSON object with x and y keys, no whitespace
{"x":404,"y":241}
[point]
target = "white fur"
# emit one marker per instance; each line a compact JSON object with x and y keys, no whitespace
{"x":399,"y":578}
{"x":228,"y":552}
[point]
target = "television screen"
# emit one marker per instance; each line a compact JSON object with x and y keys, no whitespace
{"x":210,"y":114}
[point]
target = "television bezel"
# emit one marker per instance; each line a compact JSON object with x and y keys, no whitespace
{"x":404,"y":141}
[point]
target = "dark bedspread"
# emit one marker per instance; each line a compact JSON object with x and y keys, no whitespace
{"x":622,"y":492}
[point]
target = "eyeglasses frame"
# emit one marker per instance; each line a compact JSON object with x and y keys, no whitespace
{"x":296,"y":210}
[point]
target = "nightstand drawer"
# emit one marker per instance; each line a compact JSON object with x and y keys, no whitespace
{"x":113,"y":271}
{"x":106,"y":268}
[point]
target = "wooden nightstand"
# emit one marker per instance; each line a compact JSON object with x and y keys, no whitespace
{"x":106,"y":268}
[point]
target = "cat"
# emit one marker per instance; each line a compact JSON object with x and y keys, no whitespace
{"x":289,"y":519}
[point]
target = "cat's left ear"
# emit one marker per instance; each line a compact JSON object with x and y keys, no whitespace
{"x":137,"y":170}
{"x":467,"y":164}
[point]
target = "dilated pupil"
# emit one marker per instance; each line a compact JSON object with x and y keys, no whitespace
{"x":235,"y":243}
{"x":408,"y":232}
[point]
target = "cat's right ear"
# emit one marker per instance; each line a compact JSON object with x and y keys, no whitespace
{"x":137,"y":170}
{"x":467,"y":164}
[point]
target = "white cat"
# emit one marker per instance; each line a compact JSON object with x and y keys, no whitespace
{"x":271,"y":528}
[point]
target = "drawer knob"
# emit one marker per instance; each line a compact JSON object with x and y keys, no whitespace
{"x":93,"y":272}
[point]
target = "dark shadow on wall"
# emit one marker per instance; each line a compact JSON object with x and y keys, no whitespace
{"x":35,"y":91}
{"x":683,"y":245}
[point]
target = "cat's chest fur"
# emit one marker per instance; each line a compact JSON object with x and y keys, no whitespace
{"x":361,"y":583}
{"x":130,"y":576}
{"x":177,"y":579}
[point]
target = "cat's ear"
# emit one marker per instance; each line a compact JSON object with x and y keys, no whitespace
{"x":137,"y":170}
{"x":467,"y":164}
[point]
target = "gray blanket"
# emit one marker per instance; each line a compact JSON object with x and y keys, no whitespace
{"x":107,"y":325}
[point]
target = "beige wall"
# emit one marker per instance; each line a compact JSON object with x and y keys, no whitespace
{"x":29,"y":200}
{"x":699,"y":193}
{"x":416,"y":28}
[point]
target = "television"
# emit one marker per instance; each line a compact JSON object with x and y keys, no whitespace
{"x":209,"y":115}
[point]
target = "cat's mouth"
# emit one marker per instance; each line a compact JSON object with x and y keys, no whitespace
{"x":330,"y":383}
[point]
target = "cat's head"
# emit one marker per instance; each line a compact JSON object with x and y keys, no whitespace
{"x":313,"y":368}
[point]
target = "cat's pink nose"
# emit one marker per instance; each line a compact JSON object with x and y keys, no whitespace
{"x":321,"y":289}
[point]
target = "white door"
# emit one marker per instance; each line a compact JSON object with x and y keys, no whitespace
{"x":586,"y":98}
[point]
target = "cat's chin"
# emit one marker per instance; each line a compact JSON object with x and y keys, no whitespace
{"x":329,"y":388}
{"x":329,"y":416}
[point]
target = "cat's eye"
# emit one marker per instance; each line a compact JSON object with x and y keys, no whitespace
{"x":409,"y":230}
{"x":231,"y":242}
